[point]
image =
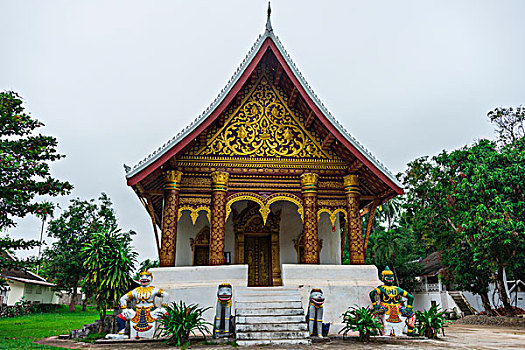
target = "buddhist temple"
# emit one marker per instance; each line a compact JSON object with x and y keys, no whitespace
{"x":264,"y":177}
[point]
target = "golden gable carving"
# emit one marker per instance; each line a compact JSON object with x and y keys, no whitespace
{"x":264,"y":126}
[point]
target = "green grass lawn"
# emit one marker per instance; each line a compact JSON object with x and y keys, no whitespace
{"x":21,"y":332}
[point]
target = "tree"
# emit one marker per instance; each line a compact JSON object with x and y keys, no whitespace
{"x":109,"y":261}
{"x":510,"y":123}
{"x":64,"y":262}
{"x":8,"y":244}
{"x":431,"y":210}
{"x":145,"y":265}
{"x":24,"y":162}
{"x":470,"y":204}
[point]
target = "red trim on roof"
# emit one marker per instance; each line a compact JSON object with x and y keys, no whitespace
{"x":268,"y":43}
{"x":329,"y":125}
{"x":211,"y":118}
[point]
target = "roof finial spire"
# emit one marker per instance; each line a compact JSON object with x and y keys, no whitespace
{"x":268,"y":23}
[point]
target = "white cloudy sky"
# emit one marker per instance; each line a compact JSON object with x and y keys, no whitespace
{"x":113,"y":80}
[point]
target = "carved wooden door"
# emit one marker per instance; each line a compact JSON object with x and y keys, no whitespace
{"x":257,"y":257}
{"x":202,"y":255}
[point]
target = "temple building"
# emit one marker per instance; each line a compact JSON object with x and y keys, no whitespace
{"x":264,"y":177}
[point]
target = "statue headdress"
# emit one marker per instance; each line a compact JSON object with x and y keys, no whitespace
{"x":386,"y":272}
{"x":145,"y":273}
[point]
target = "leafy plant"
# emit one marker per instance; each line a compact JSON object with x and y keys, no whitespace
{"x":430,"y":321}
{"x":182,"y":320}
{"x":109,"y":260}
{"x":363,"y":320}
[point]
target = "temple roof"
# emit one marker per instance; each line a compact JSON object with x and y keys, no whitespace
{"x":268,"y":40}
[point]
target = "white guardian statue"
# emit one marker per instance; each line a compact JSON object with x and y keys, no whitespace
{"x":143,"y":319}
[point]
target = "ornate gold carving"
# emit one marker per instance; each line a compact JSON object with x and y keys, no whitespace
{"x":330,"y":184}
{"x":195,"y":200}
{"x":194,"y":212}
{"x":218,"y":221}
{"x":196,"y":181}
{"x":332,"y":214}
{"x":352,"y":184}
{"x":299,"y":247}
{"x":264,"y":203}
{"x":309,"y":179}
{"x":168,"y":246}
{"x":172,"y":179}
{"x":264,"y":126}
{"x":273,"y":163}
{"x":219,"y":180}
{"x":332,"y":203}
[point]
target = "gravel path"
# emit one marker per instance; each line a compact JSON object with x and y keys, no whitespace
{"x":458,"y":336}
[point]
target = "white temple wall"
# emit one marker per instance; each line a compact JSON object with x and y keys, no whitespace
{"x":185,"y":231}
{"x":331,"y":252}
{"x":229,"y":240}
{"x":291,"y":228}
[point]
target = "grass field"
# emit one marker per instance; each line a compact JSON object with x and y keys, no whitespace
{"x":21,"y":332}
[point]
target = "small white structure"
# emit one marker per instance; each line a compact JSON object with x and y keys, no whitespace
{"x":25,"y":285}
{"x":431,"y":291}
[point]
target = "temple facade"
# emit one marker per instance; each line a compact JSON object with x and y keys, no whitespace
{"x":265,"y":176}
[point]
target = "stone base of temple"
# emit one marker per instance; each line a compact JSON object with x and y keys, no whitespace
{"x":343,"y":285}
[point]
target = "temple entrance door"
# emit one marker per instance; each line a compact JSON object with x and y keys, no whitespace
{"x":257,"y":257}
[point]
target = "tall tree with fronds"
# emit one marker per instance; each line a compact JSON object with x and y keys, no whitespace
{"x":109,"y":261}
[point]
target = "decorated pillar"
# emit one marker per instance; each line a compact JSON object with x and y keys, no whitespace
{"x":168,"y":244}
{"x":311,"y":242}
{"x":219,"y":183}
{"x":355,"y":234}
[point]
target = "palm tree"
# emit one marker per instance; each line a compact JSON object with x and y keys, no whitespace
{"x":385,"y":246}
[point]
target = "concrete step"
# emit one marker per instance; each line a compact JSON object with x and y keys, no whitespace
{"x":269,"y":305}
{"x":265,"y":291}
{"x":272,"y":335}
{"x":268,"y":312}
{"x":268,"y":319}
{"x":267,"y":298}
{"x":271,"y":327}
{"x":274,"y":342}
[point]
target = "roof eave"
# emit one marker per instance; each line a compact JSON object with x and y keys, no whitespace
{"x":163,"y":153}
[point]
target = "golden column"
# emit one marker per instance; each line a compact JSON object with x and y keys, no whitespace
{"x":168,"y":245}
{"x":355,"y":234}
{"x":311,"y":243}
{"x":219,"y":180}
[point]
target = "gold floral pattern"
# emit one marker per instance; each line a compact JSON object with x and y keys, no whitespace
{"x":264,"y":126}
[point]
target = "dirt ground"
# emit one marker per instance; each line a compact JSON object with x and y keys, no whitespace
{"x":458,"y":336}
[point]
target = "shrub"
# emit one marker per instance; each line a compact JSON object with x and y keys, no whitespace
{"x":430,"y":321}
{"x":182,"y":320}
{"x":363,"y":320}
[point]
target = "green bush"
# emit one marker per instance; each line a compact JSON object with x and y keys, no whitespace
{"x":182,"y":320}
{"x":430,"y":321}
{"x":363,"y":320}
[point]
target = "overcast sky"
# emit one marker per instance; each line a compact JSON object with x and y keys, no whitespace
{"x":114,"y":80}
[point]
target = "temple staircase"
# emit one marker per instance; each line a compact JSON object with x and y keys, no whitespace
{"x":270,"y":316}
{"x":462,"y":303}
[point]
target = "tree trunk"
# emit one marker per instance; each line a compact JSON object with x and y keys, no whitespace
{"x":486,"y":303}
{"x":503,"y":292}
{"x":73,"y":299}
